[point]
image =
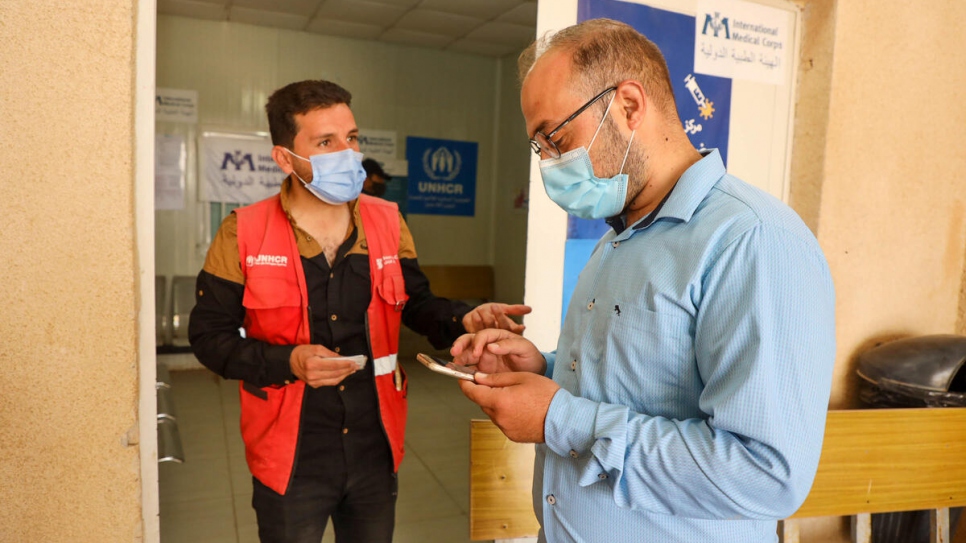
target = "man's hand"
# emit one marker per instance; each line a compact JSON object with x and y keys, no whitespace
{"x":497,"y":351}
{"x":495,"y":315}
{"x":312,"y":364}
{"x":517,"y":402}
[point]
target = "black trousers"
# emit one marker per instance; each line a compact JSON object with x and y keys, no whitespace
{"x":362,"y":506}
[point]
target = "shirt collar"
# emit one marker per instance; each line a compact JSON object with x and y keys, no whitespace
{"x":695,"y":184}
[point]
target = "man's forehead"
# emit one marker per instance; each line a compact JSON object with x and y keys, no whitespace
{"x":548,"y":92}
{"x":337,"y":117}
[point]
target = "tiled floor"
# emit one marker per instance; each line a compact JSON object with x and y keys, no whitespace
{"x":207,"y":499}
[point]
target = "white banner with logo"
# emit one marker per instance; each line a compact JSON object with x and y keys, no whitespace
{"x":741,"y":40}
{"x":238,"y":168}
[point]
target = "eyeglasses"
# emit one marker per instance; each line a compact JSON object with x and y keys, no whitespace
{"x":542,"y":143}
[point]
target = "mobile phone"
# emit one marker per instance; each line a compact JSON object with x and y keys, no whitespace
{"x":359,"y":359}
{"x":446,"y":368}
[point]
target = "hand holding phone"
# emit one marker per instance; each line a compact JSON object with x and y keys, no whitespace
{"x":445,"y":367}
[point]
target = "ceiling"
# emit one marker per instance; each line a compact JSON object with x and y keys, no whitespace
{"x":483,"y":27}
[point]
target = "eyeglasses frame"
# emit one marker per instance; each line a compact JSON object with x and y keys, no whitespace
{"x":535,"y":145}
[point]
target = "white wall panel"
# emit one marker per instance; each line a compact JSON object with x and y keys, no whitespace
{"x":413,"y":91}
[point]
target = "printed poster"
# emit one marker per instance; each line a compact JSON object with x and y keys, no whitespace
{"x":704,"y":106}
{"x":442,"y":176}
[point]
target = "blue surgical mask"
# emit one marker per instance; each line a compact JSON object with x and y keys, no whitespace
{"x":336,"y":177}
{"x":570,"y":182}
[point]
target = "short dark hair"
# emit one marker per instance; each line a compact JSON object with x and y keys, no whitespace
{"x":297,"y":99}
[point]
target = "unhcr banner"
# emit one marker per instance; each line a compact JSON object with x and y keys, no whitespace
{"x":442,"y":176}
{"x":238,"y":168}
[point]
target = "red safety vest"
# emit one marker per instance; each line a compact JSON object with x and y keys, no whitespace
{"x":276,"y":311}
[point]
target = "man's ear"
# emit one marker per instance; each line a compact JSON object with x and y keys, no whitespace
{"x":282,"y":157}
{"x":632,"y":102}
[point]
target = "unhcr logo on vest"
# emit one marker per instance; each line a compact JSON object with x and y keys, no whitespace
{"x":266,"y":260}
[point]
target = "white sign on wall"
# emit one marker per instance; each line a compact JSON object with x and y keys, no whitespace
{"x":238,"y":168}
{"x":378,"y":144}
{"x":170,"y":158}
{"x":176,"y":105}
{"x":741,"y":40}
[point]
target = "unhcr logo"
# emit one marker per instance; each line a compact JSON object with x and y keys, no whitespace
{"x":384,"y":261}
{"x":717,"y":24}
{"x":239,"y":160}
{"x":266,"y":260}
{"x":442,"y":164}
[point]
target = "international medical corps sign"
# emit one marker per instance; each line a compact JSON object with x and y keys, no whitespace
{"x":238,"y":168}
{"x":442,"y":176}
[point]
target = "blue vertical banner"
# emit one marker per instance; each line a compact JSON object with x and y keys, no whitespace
{"x":442,"y":176}
{"x":703,"y":103}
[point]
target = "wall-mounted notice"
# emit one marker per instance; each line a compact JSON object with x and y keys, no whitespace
{"x":377,"y":144}
{"x":741,"y":40}
{"x":176,"y":105}
{"x":238,"y":168}
{"x":442,"y":176}
{"x":170,"y":159}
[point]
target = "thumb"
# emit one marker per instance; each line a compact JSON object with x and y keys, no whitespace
{"x":502,"y":379}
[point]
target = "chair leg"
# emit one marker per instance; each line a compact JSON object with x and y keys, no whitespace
{"x":862,"y":528}
{"x":939,"y":525}
{"x":788,"y":531}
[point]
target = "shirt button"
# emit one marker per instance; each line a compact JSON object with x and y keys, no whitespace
{"x":331,"y":275}
{"x":338,"y":349}
{"x":602,"y":476}
{"x":341,"y":388}
{"x":573,"y":366}
{"x":616,"y":244}
{"x":345,"y":430}
{"x":590,"y":305}
{"x":551,"y":499}
{"x":334,"y":317}
{"x":287,"y":382}
{"x":573,"y":453}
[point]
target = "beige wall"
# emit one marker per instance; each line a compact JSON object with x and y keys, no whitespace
{"x":878,"y":171}
{"x":893,"y":205}
{"x":68,"y":332}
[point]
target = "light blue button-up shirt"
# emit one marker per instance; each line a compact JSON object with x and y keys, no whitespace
{"x":695,"y":363}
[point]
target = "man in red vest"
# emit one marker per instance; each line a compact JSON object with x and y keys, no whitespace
{"x":295,"y":286}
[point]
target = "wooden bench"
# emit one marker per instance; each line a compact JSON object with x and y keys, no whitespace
{"x":461,"y":282}
{"x":873,"y":461}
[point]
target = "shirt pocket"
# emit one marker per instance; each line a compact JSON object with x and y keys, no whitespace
{"x":648,"y":360}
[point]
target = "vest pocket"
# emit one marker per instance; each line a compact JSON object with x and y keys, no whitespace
{"x":273,"y":303}
{"x":393,"y":291}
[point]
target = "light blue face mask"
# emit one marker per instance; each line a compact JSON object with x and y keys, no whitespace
{"x":570,"y":182}
{"x":337,"y":177}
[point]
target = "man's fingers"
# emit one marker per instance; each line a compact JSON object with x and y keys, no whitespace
{"x":509,"y":345}
{"x":476,"y":393}
{"x":517,"y":309}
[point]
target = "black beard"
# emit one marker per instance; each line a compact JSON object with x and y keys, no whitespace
{"x":614,"y":147}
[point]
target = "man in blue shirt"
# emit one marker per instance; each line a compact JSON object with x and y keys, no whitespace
{"x":686,"y":399}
